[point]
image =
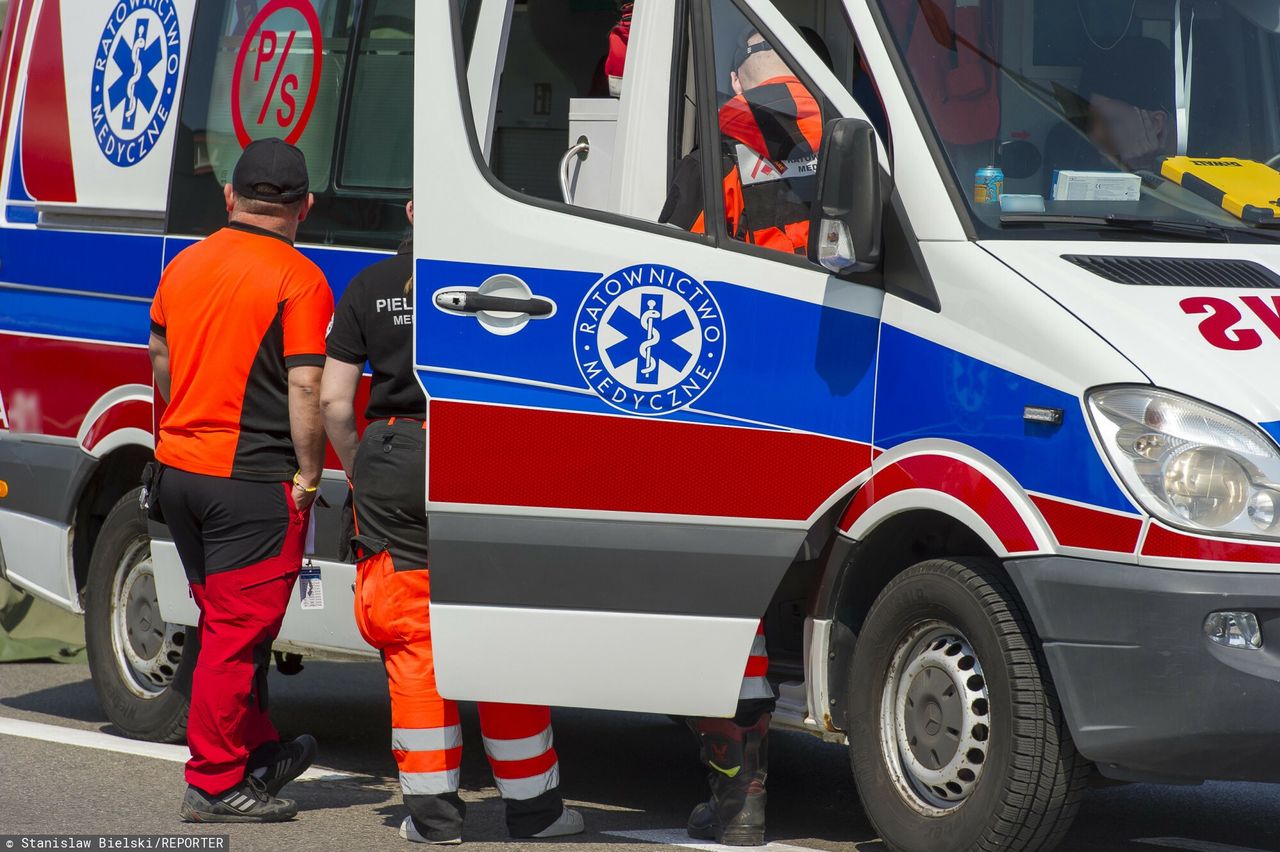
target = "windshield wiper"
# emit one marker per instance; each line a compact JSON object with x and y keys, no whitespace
{"x":1209,"y":233}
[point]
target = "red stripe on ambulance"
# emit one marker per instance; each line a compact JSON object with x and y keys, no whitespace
{"x":46,"y":135}
{"x":15,"y":34}
{"x":953,"y":477}
{"x":49,"y":385}
{"x":1168,"y":543}
{"x":1082,"y":526}
{"x":559,"y":459}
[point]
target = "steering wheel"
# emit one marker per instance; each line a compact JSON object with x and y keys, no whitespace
{"x":1274,"y":161}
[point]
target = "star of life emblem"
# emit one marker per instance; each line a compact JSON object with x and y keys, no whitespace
{"x":649,"y":339}
{"x":135,"y":78}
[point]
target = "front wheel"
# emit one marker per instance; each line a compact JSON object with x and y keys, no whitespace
{"x":141,"y":665}
{"x":956,"y":736}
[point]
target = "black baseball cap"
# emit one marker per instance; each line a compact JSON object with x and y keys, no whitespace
{"x":743,"y":49}
{"x":276,"y":164}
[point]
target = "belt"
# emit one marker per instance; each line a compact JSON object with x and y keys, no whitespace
{"x":391,"y":421}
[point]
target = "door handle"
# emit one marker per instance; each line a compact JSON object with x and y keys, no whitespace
{"x":470,"y":302}
{"x":580,"y":150}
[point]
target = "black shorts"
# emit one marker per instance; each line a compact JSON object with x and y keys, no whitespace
{"x":390,"y":484}
{"x":221,"y":524}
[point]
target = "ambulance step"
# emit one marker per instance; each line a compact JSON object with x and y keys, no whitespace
{"x":792,"y":713}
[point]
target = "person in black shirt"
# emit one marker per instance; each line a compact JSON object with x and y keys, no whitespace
{"x":387,"y":472}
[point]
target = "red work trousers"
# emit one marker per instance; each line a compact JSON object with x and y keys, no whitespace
{"x":240,"y":614}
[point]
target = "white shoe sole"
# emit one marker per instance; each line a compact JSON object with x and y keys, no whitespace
{"x":410,"y":832}
{"x":569,"y":822}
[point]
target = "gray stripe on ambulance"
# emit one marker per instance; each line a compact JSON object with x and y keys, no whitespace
{"x":608,"y":565}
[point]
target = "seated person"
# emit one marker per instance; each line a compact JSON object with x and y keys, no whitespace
{"x":1130,"y":121}
{"x":771,"y":132}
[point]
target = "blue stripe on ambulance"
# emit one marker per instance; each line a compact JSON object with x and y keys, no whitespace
{"x":769,"y":376}
{"x":95,"y":318}
{"x":930,"y":391}
{"x":105,"y":267}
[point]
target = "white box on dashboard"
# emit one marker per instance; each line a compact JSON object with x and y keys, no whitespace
{"x":1069,"y":185}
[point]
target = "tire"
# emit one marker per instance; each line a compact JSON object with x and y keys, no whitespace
{"x":143,"y":678}
{"x":956,"y":736}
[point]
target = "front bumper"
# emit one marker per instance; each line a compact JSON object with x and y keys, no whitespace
{"x":1147,"y":696}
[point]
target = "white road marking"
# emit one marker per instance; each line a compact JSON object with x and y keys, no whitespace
{"x":1194,"y":845}
{"x":107,"y":742}
{"x":678,"y":837}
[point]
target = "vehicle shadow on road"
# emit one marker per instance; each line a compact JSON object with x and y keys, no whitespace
{"x":66,"y":701}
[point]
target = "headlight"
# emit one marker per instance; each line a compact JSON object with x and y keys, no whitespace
{"x":1189,"y":463}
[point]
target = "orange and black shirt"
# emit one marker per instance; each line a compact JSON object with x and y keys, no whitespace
{"x":770,"y":139}
{"x":237,"y":309}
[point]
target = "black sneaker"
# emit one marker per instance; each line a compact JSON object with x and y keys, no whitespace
{"x":285,"y":762}
{"x":246,"y":802}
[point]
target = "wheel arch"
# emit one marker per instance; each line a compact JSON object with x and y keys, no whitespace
{"x":117,"y":473}
{"x":855,"y":572}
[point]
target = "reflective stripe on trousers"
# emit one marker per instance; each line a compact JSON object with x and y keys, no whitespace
{"x":518,"y":742}
{"x":755,"y":684}
{"x":429,"y":783}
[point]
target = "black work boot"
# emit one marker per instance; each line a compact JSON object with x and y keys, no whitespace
{"x":435,"y":819}
{"x":738,"y":760}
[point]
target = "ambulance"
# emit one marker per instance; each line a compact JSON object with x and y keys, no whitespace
{"x":995,"y":453}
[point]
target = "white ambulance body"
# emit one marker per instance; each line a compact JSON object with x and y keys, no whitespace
{"x":1001,"y":476}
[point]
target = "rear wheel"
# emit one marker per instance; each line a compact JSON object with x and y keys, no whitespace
{"x":141,"y":665}
{"x":956,"y":736}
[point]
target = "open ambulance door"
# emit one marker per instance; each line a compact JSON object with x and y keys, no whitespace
{"x":632,"y":427}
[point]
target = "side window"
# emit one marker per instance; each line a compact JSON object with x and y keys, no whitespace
{"x":769,"y":134}
{"x":335,"y":77}
{"x":556,"y":51}
{"x":379,"y":143}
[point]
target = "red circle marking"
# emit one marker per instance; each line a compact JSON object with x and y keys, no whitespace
{"x":317,"y":64}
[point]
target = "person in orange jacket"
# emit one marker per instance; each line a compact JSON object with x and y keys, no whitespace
{"x":387,"y":471}
{"x":771,"y":133}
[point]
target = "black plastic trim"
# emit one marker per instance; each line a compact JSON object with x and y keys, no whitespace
{"x":1146,"y":695}
{"x":906,"y":274}
{"x":45,"y":479}
{"x":681,"y":44}
{"x":1178,"y":271}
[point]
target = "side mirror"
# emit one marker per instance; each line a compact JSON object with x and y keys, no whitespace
{"x":844,"y":229}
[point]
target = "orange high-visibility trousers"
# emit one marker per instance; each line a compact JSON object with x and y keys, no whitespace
{"x":393,"y":614}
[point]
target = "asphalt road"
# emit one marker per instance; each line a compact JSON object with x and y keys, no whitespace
{"x":636,"y":774}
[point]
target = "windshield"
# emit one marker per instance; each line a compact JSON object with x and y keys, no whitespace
{"x":1060,"y":114}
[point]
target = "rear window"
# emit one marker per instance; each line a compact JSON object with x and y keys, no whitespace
{"x":335,"y":77}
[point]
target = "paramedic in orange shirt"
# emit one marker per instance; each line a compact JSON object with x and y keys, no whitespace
{"x":237,"y":345}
